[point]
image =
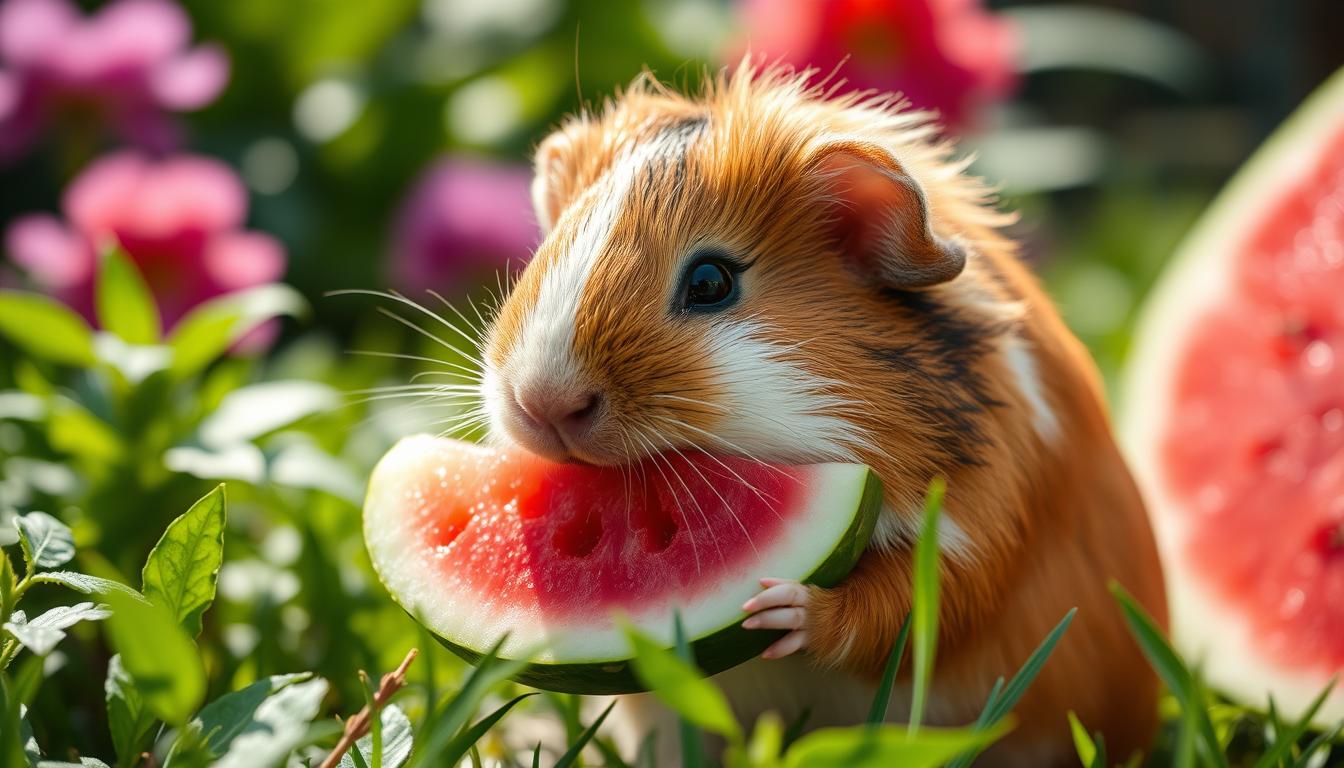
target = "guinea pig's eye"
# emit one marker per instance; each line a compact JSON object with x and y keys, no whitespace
{"x":709,"y":284}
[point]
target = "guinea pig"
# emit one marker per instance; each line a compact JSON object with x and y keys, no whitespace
{"x":767,"y":270}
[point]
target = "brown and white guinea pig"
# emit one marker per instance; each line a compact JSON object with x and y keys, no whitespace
{"x":766,"y":271}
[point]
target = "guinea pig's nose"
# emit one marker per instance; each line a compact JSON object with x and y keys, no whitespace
{"x":569,"y":412}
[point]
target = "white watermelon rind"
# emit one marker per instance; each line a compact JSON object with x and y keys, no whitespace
{"x":821,"y":545}
{"x":1211,"y":637}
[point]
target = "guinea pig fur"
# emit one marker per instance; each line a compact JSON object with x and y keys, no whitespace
{"x":869,"y":309}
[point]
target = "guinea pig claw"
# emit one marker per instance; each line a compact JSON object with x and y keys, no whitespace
{"x":781,"y":605}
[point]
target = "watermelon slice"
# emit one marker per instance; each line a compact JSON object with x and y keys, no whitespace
{"x":476,"y":542}
{"x":1233,"y":419}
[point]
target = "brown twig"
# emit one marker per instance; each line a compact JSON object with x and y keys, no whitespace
{"x":357,"y":726}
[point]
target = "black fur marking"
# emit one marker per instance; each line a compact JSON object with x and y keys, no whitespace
{"x":949,"y":388}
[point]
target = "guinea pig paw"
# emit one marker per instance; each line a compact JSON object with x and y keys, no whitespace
{"x":781,"y":605}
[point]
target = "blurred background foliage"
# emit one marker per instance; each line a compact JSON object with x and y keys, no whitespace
{"x":384,"y":144}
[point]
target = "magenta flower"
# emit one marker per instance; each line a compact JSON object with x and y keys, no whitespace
{"x":952,"y":56}
{"x":464,"y":219}
{"x":180,"y":220}
{"x":126,"y":67}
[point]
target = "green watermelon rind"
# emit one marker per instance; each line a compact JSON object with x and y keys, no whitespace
{"x":718,"y":651}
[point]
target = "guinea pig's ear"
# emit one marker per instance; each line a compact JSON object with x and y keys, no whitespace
{"x":555,"y":183}
{"x":881,"y":217}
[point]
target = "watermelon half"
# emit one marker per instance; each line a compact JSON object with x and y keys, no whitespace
{"x":477,"y":542}
{"x":1233,"y":419}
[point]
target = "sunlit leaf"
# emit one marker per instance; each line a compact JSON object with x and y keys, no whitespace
{"x":225,"y":718}
{"x":279,"y":724}
{"x":43,"y":633}
{"x":250,"y":412}
{"x":679,"y":685}
{"x":571,"y":755}
{"x":159,"y":656}
{"x":213,"y":326}
{"x":125,"y":305}
{"x":127,"y":716}
{"x":82,"y":582}
{"x":45,"y":328}
{"x":866,"y":746}
{"x":46,"y":541}
{"x":182,"y":569}
{"x":397,"y":741}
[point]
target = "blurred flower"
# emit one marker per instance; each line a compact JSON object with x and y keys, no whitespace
{"x":947,"y":55}
{"x":464,"y":218}
{"x":126,"y":66}
{"x":179,"y":220}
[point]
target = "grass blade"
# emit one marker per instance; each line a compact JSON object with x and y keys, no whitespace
{"x":1322,"y":739}
{"x":464,"y":741}
{"x":1030,"y":669}
{"x":692,"y":743}
{"x":1174,"y":674}
{"x":452,"y":714}
{"x":925,"y":608}
{"x":1286,"y":738}
{"x":572,"y":754}
{"x":878,"y":711}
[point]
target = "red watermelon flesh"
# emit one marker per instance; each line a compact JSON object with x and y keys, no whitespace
{"x":477,"y":541}
{"x":1233,"y":419}
{"x":1257,"y":444}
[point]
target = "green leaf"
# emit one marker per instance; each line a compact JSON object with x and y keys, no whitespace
{"x":212,"y":327}
{"x":452,"y":754}
{"x":397,"y":740}
{"x":571,"y":755}
{"x":252,"y":411}
{"x":7,"y":584}
{"x":46,"y":329}
{"x":222,"y":720}
{"x":925,"y":609}
{"x":159,"y":655}
{"x":43,"y":633}
{"x":82,"y":582}
{"x":878,"y":711}
{"x":1173,"y":673}
{"x":125,"y":305}
{"x":46,"y":541}
{"x":278,"y":726}
{"x":72,"y":429}
{"x":678,"y":684}
{"x":882,"y":746}
{"x":127,"y":716}
{"x":1082,"y":741}
{"x":183,"y":567}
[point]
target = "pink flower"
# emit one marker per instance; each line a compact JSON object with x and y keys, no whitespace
{"x":126,"y":66}
{"x":180,"y":220}
{"x":948,"y":55}
{"x":464,"y":219}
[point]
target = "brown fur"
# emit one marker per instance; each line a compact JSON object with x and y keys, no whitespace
{"x":1050,"y":522}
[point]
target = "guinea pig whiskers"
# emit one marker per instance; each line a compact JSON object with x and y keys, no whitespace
{"x":768,"y":499}
{"x":654,"y":455}
{"x":401,"y":299}
{"x":470,"y":357}
{"x":699,"y":510}
{"x":714,"y":488}
{"x":471,"y":373}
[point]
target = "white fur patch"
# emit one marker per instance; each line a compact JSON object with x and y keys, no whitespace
{"x":775,"y":410}
{"x":901,"y":529}
{"x":1022,"y":363}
